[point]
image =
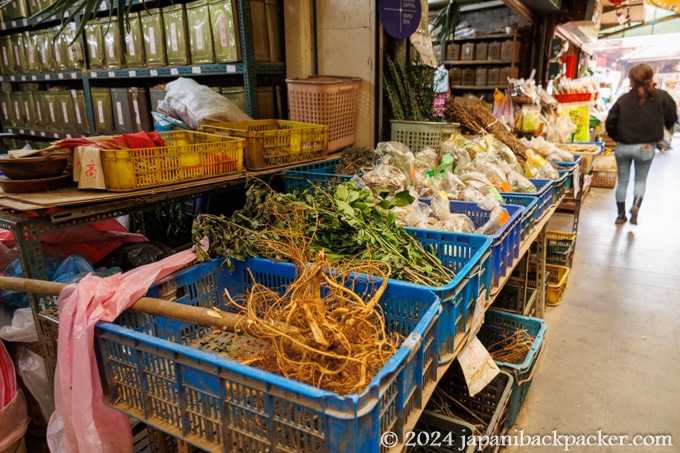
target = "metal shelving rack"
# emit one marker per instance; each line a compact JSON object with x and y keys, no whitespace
{"x":247,"y":69}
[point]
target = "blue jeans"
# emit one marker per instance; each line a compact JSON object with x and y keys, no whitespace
{"x":642,"y":155}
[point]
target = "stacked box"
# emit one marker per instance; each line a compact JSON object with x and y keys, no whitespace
{"x":275,"y":31}
{"x":154,"y":37}
{"x":40,"y":109}
{"x":200,"y":35}
{"x":15,"y":10}
{"x":103,"y":113}
{"x":95,"y":45}
{"x":17,"y":108}
{"x":258,"y":23}
{"x":7,"y":59}
{"x":43,"y":42}
{"x":18,"y":46}
{"x":131,"y":109}
{"x":33,"y":63}
{"x":481,"y":51}
{"x":176,"y":39}
{"x":224,"y":31}
{"x":134,"y":51}
{"x":30,"y":117}
{"x":60,"y":54}
{"x":6,"y":109}
{"x":53,"y":121}
{"x":114,"y":56}
{"x":237,"y":95}
{"x":65,"y":104}
{"x":73,"y":46}
{"x":156,"y":96}
{"x":80,"y":112}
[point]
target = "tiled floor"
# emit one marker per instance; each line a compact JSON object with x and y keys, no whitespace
{"x":613,"y":343}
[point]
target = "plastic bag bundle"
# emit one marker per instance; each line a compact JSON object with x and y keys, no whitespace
{"x":488,"y":165}
{"x":448,"y":221}
{"x":537,"y":167}
{"x":196,"y":104}
{"x":548,"y":150}
{"x":415,"y":215}
{"x":519,"y":183}
{"x":385,"y":177}
{"x":397,"y":155}
{"x":425,"y":160}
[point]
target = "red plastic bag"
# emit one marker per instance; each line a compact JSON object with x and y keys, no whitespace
{"x":93,"y":241}
{"x":81,"y":422}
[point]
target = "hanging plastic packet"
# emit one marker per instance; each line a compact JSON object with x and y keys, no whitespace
{"x":499,"y":215}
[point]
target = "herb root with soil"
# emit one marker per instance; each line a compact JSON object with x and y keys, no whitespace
{"x":349,"y":225}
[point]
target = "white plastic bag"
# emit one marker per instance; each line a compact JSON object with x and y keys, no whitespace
{"x":31,"y":368}
{"x":22,"y":328}
{"x":196,"y":104}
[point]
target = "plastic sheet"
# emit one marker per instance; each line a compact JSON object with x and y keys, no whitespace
{"x":82,"y":423}
{"x":31,"y":368}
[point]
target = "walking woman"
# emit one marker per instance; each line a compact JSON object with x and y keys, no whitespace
{"x":636,"y":122}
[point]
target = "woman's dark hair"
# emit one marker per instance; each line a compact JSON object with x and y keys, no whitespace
{"x":641,"y":79}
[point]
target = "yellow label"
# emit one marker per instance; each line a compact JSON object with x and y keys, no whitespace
{"x":295,"y":143}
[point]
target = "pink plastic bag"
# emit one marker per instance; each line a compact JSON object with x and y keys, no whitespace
{"x":81,"y":422}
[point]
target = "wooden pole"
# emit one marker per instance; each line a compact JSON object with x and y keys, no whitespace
{"x":207,"y":317}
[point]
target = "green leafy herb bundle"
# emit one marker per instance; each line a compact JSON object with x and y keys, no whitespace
{"x":348,"y":224}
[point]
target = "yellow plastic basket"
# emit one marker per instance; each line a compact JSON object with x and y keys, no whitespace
{"x":276,"y":143}
{"x":557,"y":283}
{"x":188,"y":155}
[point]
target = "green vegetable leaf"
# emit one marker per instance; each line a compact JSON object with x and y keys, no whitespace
{"x":403,"y":198}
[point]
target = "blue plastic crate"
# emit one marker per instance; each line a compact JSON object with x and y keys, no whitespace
{"x":528,"y":215}
{"x":215,"y":403}
{"x":506,"y":240}
{"x":499,"y":325}
{"x":562,"y":184}
{"x":543,"y":193}
{"x":469,"y":256}
{"x":320,"y":174}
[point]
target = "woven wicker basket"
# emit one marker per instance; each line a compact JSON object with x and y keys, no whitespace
{"x":606,"y":179}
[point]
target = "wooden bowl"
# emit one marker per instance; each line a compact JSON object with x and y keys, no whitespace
{"x":34,"y":185}
{"x":24,"y":168}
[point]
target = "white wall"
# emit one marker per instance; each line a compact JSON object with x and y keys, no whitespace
{"x":345,"y":36}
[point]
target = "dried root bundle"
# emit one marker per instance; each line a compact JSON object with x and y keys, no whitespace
{"x":320,"y":331}
{"x":512,"y":349}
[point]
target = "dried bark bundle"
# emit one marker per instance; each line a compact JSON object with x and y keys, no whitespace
{"x":477,"y":119}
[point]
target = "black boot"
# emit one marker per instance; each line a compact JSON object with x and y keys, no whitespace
{"x":621,"y":219}
{"x":634,"y":210}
